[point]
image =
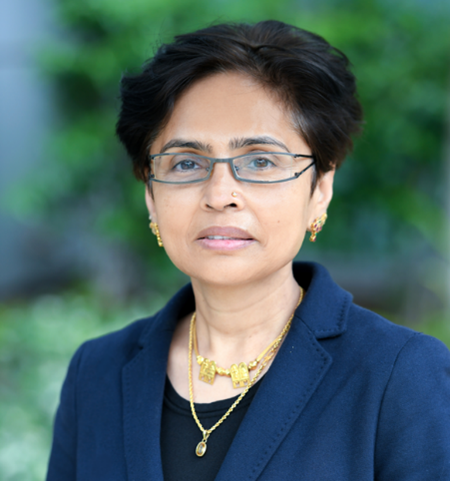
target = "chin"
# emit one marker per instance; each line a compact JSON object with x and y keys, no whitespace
{"x":217,"y":270}
{"x":230,"y":271}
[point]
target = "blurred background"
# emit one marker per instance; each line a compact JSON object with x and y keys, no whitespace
{"x":76,"y":256}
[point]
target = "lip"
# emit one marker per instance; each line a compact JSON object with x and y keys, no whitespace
{"x":228,"y":231}
{"x":232,"y":238}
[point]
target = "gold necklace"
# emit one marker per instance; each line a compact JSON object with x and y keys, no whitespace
{"x":201,"y":447}
{"x":239,"y":373}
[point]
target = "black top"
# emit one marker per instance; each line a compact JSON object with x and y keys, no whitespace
{"x":180,"y":435}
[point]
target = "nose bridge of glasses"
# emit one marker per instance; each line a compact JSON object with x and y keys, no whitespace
{"x":228,"y":161}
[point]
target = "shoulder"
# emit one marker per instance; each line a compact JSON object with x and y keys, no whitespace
{"x":380,"y":334}
{"x":329,"y":312}
{"x":387,"y":349}
{"x":374,"y":329}
{"x":115,"y":348}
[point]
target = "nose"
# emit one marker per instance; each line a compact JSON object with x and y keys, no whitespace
{"x":220,"y":187}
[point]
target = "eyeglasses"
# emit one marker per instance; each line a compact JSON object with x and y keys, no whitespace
{"x":257,"y":168}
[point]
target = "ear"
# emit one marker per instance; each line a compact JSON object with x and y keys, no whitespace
{"x":150,"y":203}
{"x":322,"y":195}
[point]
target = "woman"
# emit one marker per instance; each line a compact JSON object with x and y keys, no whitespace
{"x":261,"y":368}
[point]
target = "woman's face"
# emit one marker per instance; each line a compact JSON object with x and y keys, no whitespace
{"x":208,"y":233}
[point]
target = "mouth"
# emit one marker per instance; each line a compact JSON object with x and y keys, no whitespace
{"x":224,"y":238}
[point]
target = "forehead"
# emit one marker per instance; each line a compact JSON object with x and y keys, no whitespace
{"x":226,"y":106}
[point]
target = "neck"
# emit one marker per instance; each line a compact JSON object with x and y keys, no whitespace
{"x":236,"y":323}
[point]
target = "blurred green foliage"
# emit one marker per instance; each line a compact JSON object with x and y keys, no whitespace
{"x":36,"y":343}
{"x":390,"y":194}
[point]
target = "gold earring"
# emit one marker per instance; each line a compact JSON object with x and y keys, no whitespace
{"x":155,"y":229}
{"x":316,"y":226}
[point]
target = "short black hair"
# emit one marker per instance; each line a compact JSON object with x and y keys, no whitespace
{"x":311,"y":77}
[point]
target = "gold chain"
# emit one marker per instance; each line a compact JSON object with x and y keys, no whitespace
{"x":220,"y":370}
{"x":201,"y":447}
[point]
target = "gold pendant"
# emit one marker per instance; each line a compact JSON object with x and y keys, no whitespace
{"x":207,"y":371}
{"x":239,"y":375}
{"x":200,"y":450}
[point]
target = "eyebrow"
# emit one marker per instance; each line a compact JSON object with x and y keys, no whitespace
{"x":187,"y":144}
{"x":262,"y":140}
{"x":234,"y":143}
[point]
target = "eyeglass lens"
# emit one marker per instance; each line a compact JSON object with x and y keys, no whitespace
{"x":260,"y":167}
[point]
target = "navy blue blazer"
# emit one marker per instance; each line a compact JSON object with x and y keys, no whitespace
{"x":349,"y":397}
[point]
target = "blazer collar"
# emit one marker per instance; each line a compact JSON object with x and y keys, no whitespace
{"x":322,"y":314}
{"x":325,"y":306}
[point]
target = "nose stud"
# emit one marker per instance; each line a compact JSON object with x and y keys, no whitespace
{"x":233,"y":194}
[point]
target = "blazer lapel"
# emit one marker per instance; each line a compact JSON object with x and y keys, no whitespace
{"x":143,"y":389}
{"x":143,"y":381}
{"x":278,"y":403}
{"x":290,"y":383}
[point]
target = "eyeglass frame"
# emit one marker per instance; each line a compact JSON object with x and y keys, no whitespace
{"x":229,"y":161}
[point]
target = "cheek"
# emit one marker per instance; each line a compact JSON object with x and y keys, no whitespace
{"x":174,"y":216}
{"x":285,"y":217}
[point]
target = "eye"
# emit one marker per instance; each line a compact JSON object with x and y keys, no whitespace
{"x":260,"y":162}
{"x":183,"y":163}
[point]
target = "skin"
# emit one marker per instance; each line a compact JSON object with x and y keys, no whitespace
{"x":245,"y":293}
